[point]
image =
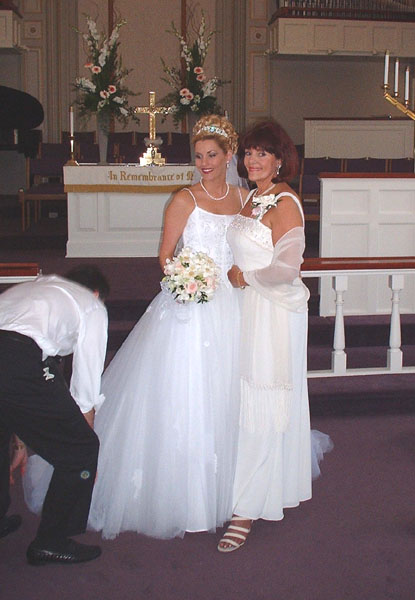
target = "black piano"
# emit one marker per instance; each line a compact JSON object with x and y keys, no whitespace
{"x":20,"y":113}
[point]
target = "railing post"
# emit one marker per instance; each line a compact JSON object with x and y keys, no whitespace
{"x":338,"y":356}
{"x":394,"y":357}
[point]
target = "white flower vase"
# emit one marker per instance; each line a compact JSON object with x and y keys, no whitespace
{"x":103,"y":123}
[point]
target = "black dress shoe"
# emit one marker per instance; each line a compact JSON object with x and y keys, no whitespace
{"x":9,"y":524}
{"x":64,"y":552}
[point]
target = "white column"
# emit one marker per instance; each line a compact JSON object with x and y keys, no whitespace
{"x":338,"y":356}
{"x":394,"y":357}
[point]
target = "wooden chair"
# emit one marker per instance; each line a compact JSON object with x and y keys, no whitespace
{"x":176,"y":147}
{"x":125,"y":153}
{"x":365,"y":165}
{"x":88,"y":137}
{"x":44,"y":184}
{"x":309,"y":183}
{"x":401,"y":165}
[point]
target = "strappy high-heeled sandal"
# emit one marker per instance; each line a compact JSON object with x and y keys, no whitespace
{"x":234,"y":531}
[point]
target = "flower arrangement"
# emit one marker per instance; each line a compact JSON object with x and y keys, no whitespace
{"x":260,"y":205}
{"x":192,"y":90}
{"x":104,"y":91}
{"x":191,"y":277}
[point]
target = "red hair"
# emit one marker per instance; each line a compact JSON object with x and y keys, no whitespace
{"x":271,"y":137}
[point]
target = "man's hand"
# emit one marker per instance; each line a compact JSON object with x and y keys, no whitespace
{"x":90,"y":417}
{"x":19,"y":457}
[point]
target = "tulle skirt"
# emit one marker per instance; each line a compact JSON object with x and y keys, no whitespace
{"x":168,"y":427}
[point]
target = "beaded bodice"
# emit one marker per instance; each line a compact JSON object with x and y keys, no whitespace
{"x":251,"y":243}
{"x":206,"y":232}
{"x":251,"y":240}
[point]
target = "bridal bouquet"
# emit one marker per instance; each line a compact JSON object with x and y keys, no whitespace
{"x":191,"y":277}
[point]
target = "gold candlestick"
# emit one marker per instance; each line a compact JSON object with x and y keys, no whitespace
{"x":71,"y":162}
{"x":393,"y":100}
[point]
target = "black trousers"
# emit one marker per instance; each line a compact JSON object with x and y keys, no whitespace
{"x":35,"y":403}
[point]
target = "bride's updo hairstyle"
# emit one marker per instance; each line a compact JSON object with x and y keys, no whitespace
{"x":271,"y":137}
{"x":215,"y":127}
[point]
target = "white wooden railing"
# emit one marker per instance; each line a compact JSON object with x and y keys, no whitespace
{"x":18,"y":272}
{"x":340,"y":269}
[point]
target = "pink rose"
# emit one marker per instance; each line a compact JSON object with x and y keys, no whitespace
{"x":256,"y":211}
{"x":104,"y":94}
{"x":112,"y":89}
{"x":191,"y":287}
{"x":201,"y":77}
{"x":190,"y":96}
{"x":88,"y":65}
{"x":198,"y":70}
{"x":184,"y":92}
{"x":96,"y":69}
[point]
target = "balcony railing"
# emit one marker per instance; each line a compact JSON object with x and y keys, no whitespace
{"x":340,"y":269}
{"x":367,"y":10}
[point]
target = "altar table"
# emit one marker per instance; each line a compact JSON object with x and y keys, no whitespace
{"x":117,"y":210}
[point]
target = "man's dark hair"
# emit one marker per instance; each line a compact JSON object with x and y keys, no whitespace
{"x":90,"y":277}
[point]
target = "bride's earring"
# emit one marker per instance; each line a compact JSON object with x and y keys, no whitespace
{"x":277,"y":170}
{"x":227,"y":165}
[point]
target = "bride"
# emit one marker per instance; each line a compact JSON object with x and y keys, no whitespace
{"x":168,"y":427}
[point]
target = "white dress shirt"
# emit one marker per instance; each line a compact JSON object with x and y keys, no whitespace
{"x":63,"y":317}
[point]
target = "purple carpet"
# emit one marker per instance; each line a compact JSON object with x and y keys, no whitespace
{"x":355,"y":540}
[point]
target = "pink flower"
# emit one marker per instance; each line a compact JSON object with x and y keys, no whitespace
{"x":112,"y":89}
{"x":88,"y":65}
{"x":184,"y":92}
{"x":96,"y":69}
{"x":191,"y":287}
{"x":198,"y":70}
{"x":104,"y":94}
{"x":201,"y":77}
{"x":190,"y":96}
{"x":256,"y":211}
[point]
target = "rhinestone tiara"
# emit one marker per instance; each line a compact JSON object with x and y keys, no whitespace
{"x":212,"y":129}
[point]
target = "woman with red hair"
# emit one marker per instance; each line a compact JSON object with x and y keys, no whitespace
{"x":274,"y":463}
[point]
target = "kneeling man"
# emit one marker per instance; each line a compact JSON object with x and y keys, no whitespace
{"x":40,"y":321}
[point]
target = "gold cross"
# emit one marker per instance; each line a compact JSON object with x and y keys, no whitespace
{"x":152,"y":110}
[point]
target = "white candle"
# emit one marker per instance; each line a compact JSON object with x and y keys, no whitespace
{"x":396,"y":76}
{"x":386,"y":75}
{"x":71,"y":121}
{"x":407,"y":84}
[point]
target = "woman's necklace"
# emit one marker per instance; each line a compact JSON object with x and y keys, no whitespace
{"x":263,"y":193}
{"x":213,"y":197}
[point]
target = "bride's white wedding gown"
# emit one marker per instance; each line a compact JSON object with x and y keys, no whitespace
{"x":168,"y":426}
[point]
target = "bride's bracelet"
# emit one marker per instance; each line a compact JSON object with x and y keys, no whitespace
{"x":242,"y":287}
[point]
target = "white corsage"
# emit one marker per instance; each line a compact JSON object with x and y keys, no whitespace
{"x":191,"y":277}
{"x":261,"y":204}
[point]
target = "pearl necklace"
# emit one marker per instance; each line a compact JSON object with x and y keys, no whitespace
{"x":213,"y":197}
{"x":263,"y":193}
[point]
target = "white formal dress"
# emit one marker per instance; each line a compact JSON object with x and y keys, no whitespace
{"x":168,"y":427}
{"x":274,"y":465}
